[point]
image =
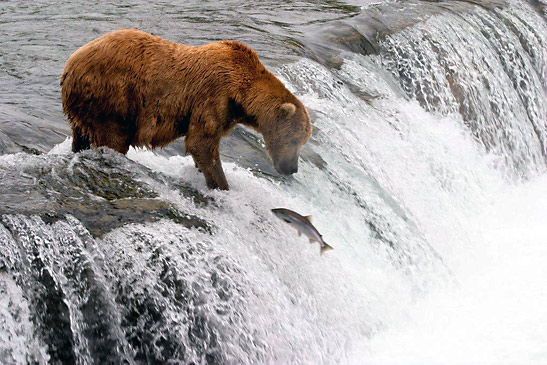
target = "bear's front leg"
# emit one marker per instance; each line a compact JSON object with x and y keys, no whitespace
{"x":206,"y":154}
{"x":195,"y":163}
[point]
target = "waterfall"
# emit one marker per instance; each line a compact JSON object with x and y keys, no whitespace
{"x":425,"y":172}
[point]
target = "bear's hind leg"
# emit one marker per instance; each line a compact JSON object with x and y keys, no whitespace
{"x":79,"y":141}
{"x":114,"y":134}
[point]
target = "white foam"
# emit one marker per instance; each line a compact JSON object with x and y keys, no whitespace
{"x":498,"y":315}
{"x":62,"y":148}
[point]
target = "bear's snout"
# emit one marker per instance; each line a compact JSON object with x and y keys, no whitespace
{"x":287,"y":167}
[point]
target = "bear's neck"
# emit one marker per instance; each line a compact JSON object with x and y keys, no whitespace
{"x":239,"y":114}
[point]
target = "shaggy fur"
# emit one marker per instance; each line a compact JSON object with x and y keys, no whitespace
{"x":129,"y":88}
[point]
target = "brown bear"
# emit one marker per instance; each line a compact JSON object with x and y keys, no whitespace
{"x":130,"y":88}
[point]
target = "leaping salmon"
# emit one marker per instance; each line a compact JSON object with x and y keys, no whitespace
{"x":303,"y":225}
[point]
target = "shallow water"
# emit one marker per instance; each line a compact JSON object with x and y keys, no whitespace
{"x":426,"y":173}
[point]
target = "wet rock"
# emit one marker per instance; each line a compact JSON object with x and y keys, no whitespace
{"x":102,"y":189}
{"x":7,"y":145}
{"x":248,"y":150}
{"x":102,"y":217}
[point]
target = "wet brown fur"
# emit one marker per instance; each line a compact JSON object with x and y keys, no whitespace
{"x":130,"y":88}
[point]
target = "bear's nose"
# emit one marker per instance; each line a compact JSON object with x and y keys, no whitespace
{"x":287,"y":168}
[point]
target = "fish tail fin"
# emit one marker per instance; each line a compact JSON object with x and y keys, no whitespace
{"x":325,"y":247}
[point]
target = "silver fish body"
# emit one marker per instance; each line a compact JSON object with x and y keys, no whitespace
{"x":303,"y":225}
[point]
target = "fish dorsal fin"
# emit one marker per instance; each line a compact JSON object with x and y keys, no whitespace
{"x":308,"y":218}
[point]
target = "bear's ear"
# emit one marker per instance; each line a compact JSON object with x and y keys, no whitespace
{"x":287,"y":109}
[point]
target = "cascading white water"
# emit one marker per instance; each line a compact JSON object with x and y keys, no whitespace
{"x":438,"y":250}
{"x":490,"y":71}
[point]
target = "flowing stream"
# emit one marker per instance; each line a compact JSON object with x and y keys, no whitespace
{"x":426,"y":172}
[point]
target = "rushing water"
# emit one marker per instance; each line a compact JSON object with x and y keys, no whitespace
{"x":426,"y":173}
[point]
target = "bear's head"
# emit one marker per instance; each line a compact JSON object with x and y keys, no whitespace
{"x":286,"y":135}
